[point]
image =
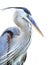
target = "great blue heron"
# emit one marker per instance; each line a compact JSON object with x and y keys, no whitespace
{"x":21,"y":40}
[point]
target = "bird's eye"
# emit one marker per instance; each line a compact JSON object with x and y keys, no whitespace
{"x":27,"y":15}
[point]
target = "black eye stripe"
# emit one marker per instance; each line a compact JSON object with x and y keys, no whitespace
{"x":25,"y":9}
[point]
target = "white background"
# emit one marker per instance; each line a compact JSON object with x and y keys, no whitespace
{"x":39,"y":50}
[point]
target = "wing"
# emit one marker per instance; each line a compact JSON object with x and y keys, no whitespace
{"x":12,"y":32}
{"x":3,"y":45}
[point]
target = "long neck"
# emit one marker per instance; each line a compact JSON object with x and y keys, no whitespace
{"x":23,"y":25}
{"x":26,"y":29}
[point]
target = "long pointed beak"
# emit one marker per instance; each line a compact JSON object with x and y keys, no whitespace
{"x":35,"y":25}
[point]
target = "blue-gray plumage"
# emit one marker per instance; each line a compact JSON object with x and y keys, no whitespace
{"x":4,"y":42}
{"x":13,"y":30}
{"x":20,"y":38}
{"x":28,"y":16}
{"x":3,"y":45}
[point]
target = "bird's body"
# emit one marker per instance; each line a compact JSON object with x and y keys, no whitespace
{"x":3,"y":45}
{"x":21,"y":37}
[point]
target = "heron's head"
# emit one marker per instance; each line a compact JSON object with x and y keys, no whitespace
{"x":23,"y":15}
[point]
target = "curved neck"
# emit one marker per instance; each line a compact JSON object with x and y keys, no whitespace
{"x":26,"y":29}
{"x":24,"y":26}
